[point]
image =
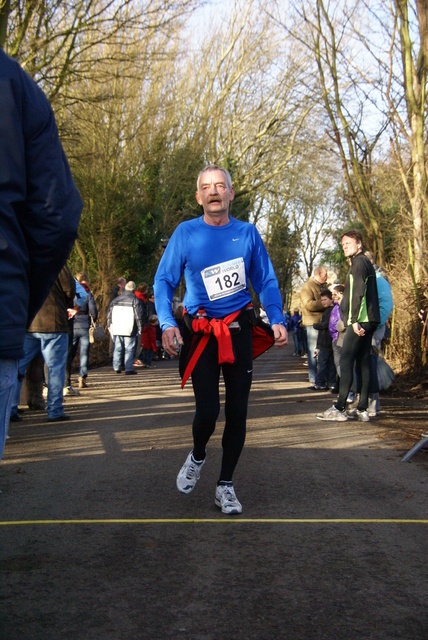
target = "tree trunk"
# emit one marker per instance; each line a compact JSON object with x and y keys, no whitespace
{"x":4,"y":14}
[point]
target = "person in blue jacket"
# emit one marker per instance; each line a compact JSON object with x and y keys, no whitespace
{"x":40,"y":209}
{"x":219,"y":256}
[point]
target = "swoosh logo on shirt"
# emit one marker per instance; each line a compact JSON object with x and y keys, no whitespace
{"x":235,"y":239}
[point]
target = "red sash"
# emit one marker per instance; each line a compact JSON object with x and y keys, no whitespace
{"x":262,"y":339}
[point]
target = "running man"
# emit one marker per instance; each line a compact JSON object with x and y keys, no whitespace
{"x":218,"y":256}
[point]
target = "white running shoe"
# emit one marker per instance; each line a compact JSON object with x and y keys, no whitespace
{"x":363,"y":416}
{"x":189,"y":474}
{"x":333,"y":414}
{"x":70,"y":391}
{"x":226,"y":499}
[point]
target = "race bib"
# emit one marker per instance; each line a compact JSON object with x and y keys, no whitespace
{"x":224,"y":279}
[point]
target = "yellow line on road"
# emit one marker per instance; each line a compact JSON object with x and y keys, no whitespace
{"x":234,"y":520}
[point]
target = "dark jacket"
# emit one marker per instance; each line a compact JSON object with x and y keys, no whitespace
{"x":128,"y":300}
{"x":295,"y":323}
{"x":324,"y":340}
{"x":360,"y":302}
{"x":143,"y":302}
{"x":53,"y":316}
{"x":82,"y":319}
{"x":39,"y":204}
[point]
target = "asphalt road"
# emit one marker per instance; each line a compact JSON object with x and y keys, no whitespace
{"x":96,"y":542}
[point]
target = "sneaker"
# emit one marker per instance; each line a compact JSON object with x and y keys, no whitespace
{"x":189,"y":474}
{"x":71,"y":391}
{"x":15,"y":417}
{"x":372,"y":408}
{"x":333,"y":414}
{"x":62,"y":418}
{"x":363,"y":416}
{"x":130,"y":373}
{"x":138,"y":363}
{"x":82,"y":383}
{"x":226,"y":499}
{"x":352,"y":413}
{"x":316,"y":387}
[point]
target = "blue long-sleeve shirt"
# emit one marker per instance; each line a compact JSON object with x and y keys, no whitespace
{"x":218,"y":263}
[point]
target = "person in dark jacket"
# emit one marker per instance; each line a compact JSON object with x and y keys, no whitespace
{"x":48,"y":335}
{"x":325,"y":377}
{"x":79,"y":300}
{"x":81,"y":324}
{"x":40,"y":210}
{"x":118,"y":289}
{"x":295,"y":327}
{"x":360,"y":313}
{"x":124,"y":321}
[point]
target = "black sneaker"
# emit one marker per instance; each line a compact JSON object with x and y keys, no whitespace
{"x":61,"y":418}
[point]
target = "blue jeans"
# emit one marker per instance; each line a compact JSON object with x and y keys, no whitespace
{"x":297,"y":341}
{"x":8,"y":382}
{"x":312,"y":335}
{"x":326,"y":371}
{"x":53,"y":347}
{"x":148,"y":357}
{"x":124,"y":344}
{"x":81,"y":335}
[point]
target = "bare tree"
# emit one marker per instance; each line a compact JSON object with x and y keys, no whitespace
{"x":414,"y":58}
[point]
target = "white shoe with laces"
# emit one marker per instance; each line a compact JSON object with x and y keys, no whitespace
{"x":363,"y":416}
{"x":226,"y":499}
{"x":189,"y":474}
{"x":333,"y":415}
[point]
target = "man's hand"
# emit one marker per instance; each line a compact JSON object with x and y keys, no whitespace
{"x":358,"y":329}
{"x":280,"y":334}
{"x":172,"y":340}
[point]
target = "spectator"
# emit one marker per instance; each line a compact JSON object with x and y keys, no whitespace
{"x":40,"y":209}
{"x":148,"y":341}
{"x":82,"y":321}
{"x":336,"y":326}
{"x":118,"y":289}
{"x":296,"y":332}
{"x":326,"y":371}
{"x":79,"y":300}
{"x":359,"y":310}
{"x":48,"y":336}
{"x":124,"y":321}
{"x":312,"y":310}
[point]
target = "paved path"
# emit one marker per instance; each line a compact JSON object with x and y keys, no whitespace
{"x":96,"y":542}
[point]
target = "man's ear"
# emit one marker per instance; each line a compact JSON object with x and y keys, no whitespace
{"x":198,"y":198}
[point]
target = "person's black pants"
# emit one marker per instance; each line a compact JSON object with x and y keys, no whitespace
{"x":237,"y":379}
{"x":356,"y":349}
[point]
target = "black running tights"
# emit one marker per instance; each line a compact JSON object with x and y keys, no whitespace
{"x":237,"y":379}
